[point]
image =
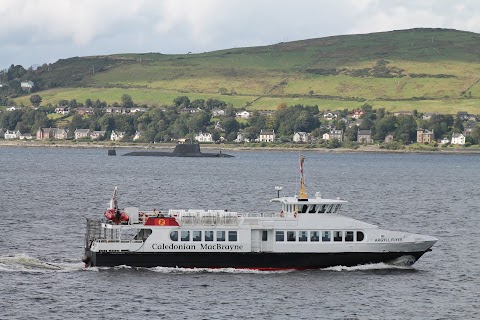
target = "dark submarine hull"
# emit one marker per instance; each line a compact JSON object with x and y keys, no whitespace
{"x":181,"y":150}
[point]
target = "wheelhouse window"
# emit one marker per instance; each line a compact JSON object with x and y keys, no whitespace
{"x":314,"y":236}
{"x":326,"y":236}
{"x":348,"y":236}
{"x":291,"y":236}
{"x":323,"y":208}
{"x":313,"y":208}
{"x":303,"y":208}
{"x":360,"y":236}
{"x":174,"y":235}
{"x":336,"y":207}
{"x":302,"y":236}
{"x":338,"y":236}
{"x":220,"y":235}
{"x":232,"y":235}
{"x":197,"y":235}
{"x":208,"y":235}
{"x":185,"y":235}
{"x":279,"y":236}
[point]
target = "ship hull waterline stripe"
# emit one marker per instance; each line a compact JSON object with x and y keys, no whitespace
{"x":260,"y":261}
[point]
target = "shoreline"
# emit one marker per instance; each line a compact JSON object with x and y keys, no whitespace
{"x":212,"y":147}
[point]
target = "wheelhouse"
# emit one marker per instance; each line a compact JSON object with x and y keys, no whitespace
{"x":317,"y":205}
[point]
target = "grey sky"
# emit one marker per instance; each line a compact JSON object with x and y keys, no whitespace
{"x":43,"y":31}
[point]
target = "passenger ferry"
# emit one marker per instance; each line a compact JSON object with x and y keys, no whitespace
{"x":305,"y":233}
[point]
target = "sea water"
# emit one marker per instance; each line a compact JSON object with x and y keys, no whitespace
{"x":46,"y":194}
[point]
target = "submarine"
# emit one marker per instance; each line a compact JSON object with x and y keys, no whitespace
{"x":181,"y":150}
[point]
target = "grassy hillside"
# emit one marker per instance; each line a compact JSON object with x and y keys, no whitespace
{"x":423,"y":69}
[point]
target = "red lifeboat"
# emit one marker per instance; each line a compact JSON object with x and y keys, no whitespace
{"x":116,"y":216}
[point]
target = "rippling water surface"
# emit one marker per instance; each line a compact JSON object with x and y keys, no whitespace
{"x":46,"y":193}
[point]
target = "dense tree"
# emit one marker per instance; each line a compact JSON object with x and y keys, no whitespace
{"x":127,"y":101}
{"x":36,"y":100}
{"x":198,"y":103}
{"x":16,"y":72}
{"x":295,"y":118}
{"x":230,"y":125}
{"x":212,"y":104}
{"x":257,"y":121}
{"x":198,"y":121}
{"x":350,"y":134}
{"x":182,"y":101}
{"x":215,"y":135}
{"x":76,"y":123}
{"x":107,"y":122}
{"x":10,"y":119}
{"x":407,"y":129}
{"x":476,"y":135}
{"x":458,"y":125}
{"x":88,"y":103}
{"x":180,"y":126}
{"x":72,"y":103}
{"x":385,"y":126}
{"x":440,"y":124}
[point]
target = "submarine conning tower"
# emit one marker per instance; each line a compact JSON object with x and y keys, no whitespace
{"x":187,"y":149}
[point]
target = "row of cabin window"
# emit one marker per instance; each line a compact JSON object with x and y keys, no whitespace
{"x":314,"y":208}
{"x":207,"y":235}
{"x":338,"y":236}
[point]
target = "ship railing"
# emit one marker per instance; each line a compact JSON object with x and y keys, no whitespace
{"x":258,"y":215}
{"x":205,"y":217}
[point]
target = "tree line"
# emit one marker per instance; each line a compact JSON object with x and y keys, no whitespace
{"x":161,"y":124}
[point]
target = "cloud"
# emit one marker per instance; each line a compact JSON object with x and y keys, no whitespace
{"x":40,"y":31}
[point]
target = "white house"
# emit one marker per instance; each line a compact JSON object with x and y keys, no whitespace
{"x":243,"y":114}
{"x":267,"y":136}
{"x":137,"y":136}
{"x":96,"y":135}
{"x":134,"y":110}
{"x":27,"y":85}
{"x":218,"y":112}
{"x":81,"y":133}
{"x":330,"y":115}
{"x":61,"y":110}
{"x":301,"y":137}
{"x":333,"y":134}
{"x":458,"y":138}
{"x":241,"y":138}
{"x":26,"y":136}
{"x":444,"y":140}
{"x":117,"y":136}
{"x":10,"y":134}
{"x":204,"y":137}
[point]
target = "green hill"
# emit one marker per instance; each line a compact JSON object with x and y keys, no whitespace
{"x":423,"y":69}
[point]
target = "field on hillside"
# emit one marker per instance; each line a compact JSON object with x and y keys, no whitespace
{"x":159,"y":98}
{"x":434,"y":70}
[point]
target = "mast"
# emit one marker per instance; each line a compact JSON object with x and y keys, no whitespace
{"x":303,"y":190}
{"x":114,"y":200}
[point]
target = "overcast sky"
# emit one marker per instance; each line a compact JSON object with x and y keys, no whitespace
{"x":43,"y":31}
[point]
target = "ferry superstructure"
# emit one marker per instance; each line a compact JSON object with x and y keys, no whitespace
{"x":305,"y":233}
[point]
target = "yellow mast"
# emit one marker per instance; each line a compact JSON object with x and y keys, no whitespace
{"x":303,"y":190}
